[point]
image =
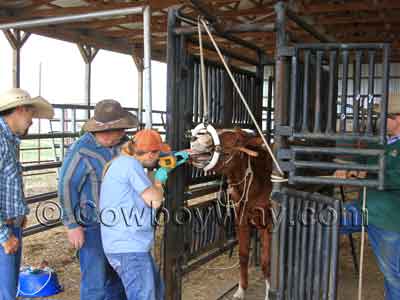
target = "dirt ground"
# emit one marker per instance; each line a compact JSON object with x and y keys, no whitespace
{"x":206,"y":283}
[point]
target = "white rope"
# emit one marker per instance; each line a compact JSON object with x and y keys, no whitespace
{"x":362,"y":244}
{"x":243,"y":99}
{"x":203,"y":74}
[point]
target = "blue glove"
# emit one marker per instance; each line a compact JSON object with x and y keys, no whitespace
{"x":161,"y":175}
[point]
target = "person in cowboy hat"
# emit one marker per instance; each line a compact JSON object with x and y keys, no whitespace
{"x":383,"y":206}
{"x":126,"y":187}
{"x":17,"y":108}
{"x":79,"y":188}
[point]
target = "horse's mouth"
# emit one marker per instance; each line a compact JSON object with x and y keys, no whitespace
{"x":200,"y":159}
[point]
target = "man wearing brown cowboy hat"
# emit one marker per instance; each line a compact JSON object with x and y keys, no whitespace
{"x":17,"y":109}
{"x":79,"y":189}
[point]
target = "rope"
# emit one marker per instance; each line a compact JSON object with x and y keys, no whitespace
{"x":281,"y":177}
{"x":203,"y":74}
{"x":362,"y":244}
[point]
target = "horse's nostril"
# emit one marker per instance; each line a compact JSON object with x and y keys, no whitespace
{"x":193,"y":138}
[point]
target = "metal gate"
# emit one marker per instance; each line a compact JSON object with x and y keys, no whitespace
{"x":327,"y":118}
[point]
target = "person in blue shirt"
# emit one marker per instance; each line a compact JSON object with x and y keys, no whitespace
{"x":17,"y":109}
{"x":128,"y":200}
{"x":79,"y":189}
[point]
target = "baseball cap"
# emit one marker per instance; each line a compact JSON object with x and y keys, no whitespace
{"x":150,"y":140}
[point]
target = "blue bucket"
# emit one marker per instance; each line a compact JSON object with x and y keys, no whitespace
{"x":38,"y":283}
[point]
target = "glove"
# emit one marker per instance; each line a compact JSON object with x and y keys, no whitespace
{"x":161,"y":175}
{"x":184,"y":157}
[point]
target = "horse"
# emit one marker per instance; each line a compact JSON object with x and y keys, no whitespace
{"x":244,"y":161}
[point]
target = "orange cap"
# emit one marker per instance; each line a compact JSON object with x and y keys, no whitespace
{"x":150,"y":140}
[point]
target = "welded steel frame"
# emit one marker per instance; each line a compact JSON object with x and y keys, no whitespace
{"x":182,"y":115}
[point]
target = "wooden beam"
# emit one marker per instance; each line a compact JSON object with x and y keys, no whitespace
{"x":54,"y":12}
{"x":349,"y":6}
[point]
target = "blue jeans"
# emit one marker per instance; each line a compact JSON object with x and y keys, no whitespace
{"x":9,"y":268}
{"x":139,"y":274}
{"x":386,"y":246}
{"x":98,"y":279}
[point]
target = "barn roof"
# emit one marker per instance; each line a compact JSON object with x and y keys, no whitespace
{"x":333,"y":20}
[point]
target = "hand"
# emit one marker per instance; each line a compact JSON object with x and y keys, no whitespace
{"x":24,"y":222}
{"x":161,"y":175}
{"x":342,"y":174}
{"x":76,"y":237}
{"x":11,"y":245}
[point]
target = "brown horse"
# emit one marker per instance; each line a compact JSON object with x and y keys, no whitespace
{"x":247,"y":167}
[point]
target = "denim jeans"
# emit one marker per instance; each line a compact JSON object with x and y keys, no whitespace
{"x":9,"y":268}
{"x":386,"y":246}
{"x":98,"y":279}
{"x":139,"y":274}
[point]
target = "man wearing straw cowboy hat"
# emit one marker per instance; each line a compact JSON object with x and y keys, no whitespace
{"x":17,"y":109}
{"x":79,"y":189}
{"x":383,"y":207}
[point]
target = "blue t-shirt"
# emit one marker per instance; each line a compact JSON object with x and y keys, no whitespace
{"x":127,"y":223}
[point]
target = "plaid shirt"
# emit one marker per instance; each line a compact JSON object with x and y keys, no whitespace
{"x":12,"y":200}
{"x":80,"y":179}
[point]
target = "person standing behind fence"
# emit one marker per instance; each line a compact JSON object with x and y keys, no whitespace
{"x":17,"y":109}
{"x":128,"y":200}
{"x":383,"y":207}
{"x":79,"y":189}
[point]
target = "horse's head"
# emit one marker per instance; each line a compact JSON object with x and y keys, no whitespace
{"x":218,"y":151}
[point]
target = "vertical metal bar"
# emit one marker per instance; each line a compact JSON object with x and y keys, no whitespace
{"x":303,"y":250}
{"x":147,"y":64}
{"x":325,"y":257}
{"x":306,"y":85}
{"x":385,"y":90}
{"x":62,"y":123}
{"x":290,"y":259}
{"x":73,"y":120}
{"x":332,"y":107}
{"x":282,"y":250}
{"x":310,"y":263}
{"x":371,"y":90}
{"x":334,"y":251}
{"x":345,"y":71}
{"x":316,"y":291}
{"x":280,"y":116}
{"x":269,"y":108}
{"x":297,"y":249}
{"x":214,"y":94}
{"x":357,"y":92}
{"x":140,"y":96}
{"x":173,"y":249}
{"x":318,"y":84}
{"x":293,"y":91}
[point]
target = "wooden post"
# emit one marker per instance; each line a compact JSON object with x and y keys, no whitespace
{"x":88,"y":54}
{"x":16,"y":41}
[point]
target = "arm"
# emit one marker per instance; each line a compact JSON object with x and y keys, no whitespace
{"x":72,"y":176}
{"x":7,"y":240}
{"x":149,"y":189}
